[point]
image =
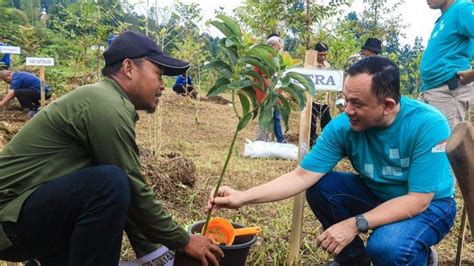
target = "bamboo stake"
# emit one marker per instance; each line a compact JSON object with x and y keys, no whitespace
{"x":303,"y":148}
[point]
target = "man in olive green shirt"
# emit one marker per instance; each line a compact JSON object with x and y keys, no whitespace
{"x":70,"y":180}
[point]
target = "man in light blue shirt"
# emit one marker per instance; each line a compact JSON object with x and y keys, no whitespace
{"x":403,"y":188}
{"x":450,"y":50}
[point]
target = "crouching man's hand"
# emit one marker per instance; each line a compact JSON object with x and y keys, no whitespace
{"x":338,"y":236}
{"x":202,"y":249}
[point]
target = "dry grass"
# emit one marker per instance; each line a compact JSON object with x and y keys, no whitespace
{"x":201,"y":132}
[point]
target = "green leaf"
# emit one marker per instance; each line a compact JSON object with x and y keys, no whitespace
{"x":219,"y":82}
{"x":304,"y":81}
{"x":230,"y":52}
{"x":245,"y":102}
{"x":257,"y":78}
{"x":253,"y":98}
{"x":232,"y":25}
{"x":220,"y":66}
{"x":231,"y":41}
{"x":285,"y":81}
{"x":297,"y":94}
{"x":222,"y":28}
{"x":265,"y":118}
{"x":257,"y":63}
{"x":285,"y":111}
{"x":263,"y":55}
{"x":267,"y":48}
{"x":266,"y":112}
{"x":244,"y":121}
{"x":236,"y":85}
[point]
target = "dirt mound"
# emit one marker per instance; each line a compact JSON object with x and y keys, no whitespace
{"x":161,"y":184}
{"x":179,"y":169}
{"x":170,"y":175}
{"x":216,"y":99}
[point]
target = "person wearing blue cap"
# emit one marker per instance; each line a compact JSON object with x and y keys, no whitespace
{"x":70,"y":180}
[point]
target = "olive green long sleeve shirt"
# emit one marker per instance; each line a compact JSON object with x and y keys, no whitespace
{"x":92,"y":125}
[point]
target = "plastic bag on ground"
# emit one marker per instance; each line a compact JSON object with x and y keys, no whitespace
{"x":262,"y":149}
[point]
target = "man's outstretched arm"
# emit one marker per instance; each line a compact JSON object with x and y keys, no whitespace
{"x":7,"y":98}
{"x":280,"y":188}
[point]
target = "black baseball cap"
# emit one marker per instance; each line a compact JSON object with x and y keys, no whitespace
{"x":373,"y":44}
{"x":133,"y":45}
{"x":321,"y":47}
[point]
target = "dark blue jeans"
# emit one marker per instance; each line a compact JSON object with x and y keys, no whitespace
{"x":338,"y":196}
{"x":30,"y":99}
{"x":77,"y":219}
{"x":277,"y":127}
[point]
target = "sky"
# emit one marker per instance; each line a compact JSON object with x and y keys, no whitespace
{"x":415,"y":13}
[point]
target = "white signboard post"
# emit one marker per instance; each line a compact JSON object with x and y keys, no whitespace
{"x":323,"y":79}
{"x":41,"y":62}
{"x":10,"y":50}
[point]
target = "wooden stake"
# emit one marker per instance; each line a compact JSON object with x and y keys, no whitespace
{"x":460,"y":151}
{"x":303,"y":149}
{"x":462,"y":233}
{"x":43,"y":95}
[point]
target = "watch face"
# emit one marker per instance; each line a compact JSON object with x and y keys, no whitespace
{"x":362,"y":224}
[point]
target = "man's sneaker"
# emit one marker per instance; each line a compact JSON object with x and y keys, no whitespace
{"x":31,"y":113}
{"x":433,"y":257}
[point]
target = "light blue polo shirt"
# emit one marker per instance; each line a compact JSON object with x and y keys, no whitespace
{"x":451,"y":45}
{"x":408,"y":156}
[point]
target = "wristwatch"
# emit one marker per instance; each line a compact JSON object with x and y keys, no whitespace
{"x":362,"y":224}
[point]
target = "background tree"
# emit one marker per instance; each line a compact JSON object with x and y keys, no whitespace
{"x":288,"y":18}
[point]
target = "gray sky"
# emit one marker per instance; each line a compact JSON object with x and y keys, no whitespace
{"x":415,"y":13}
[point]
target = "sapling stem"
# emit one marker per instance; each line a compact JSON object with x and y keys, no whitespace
{"x":231,"y":148}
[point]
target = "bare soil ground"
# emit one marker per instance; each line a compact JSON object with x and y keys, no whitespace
{"x":183,"y":146}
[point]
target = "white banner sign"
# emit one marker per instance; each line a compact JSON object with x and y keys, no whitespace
{"x":39,"y":61}
{"x":324,"y":80}
{"x":9,"y":50}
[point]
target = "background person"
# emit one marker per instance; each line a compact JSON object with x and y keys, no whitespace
{"x":450,"y":51}
{"x":371,"y":47}
{"x":262,"y":134}
{"x":5,"y":59}
{"x":26,"y":87}
{"x":320,"y":111}
{"x":321,"y":61}
{"x":184,"y":85}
